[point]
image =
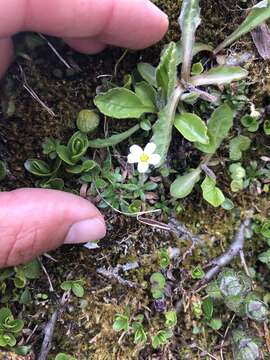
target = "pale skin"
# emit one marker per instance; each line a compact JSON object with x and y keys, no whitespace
{"x":34,"y":221}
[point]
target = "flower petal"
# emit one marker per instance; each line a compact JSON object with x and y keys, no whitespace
{"x":136,"y":150}
{"x":150,"y":148}
{"x":133,"y":158}
{"x":154,"y":159}
{"x":143,"y":167}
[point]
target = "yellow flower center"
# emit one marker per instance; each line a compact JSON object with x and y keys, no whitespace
{"x":144,"y":158}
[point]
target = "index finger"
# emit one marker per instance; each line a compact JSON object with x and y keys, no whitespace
{"x":127,"y":23}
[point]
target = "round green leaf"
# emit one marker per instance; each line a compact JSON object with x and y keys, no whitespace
{"x":191,"y":127}
{"x":184,"y":184}
{"x":121,"y":103}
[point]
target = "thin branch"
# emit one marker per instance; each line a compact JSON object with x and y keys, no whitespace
{"x":49,"y":329}
{"x":225,"y":259}
{"x":113,"y":273}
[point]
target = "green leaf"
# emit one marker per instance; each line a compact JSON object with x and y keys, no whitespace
{"x":121,"y":103}
{"x":66,"y":285}
{"x":114,"y":139}
{"x":219,"y":126}
{"x":197,"y":69}
{"x":215,"y":324}
{"x":87,"y":121}
{"x":256,"y":17}
{"x":77,"y":146}
{"x":146,"y":93}
{"x":208,"y":308}
{"x":250,"y":122}
{"x":161,"y":338}
{"x":237,"y":146}
{"x":64,"y":356}
{"x":171,"y":318}
{"x":140,"y":335}
{"x":120,"y":322}
{"x":211,"y":193}
{"x":189,"y":21}
{"x":77,"y":289}
{"x":162,"y":129}
{"x":32,"y":269}
{"x":158,"y":280}
{"x":7,"y":340}
{"x":54,"y":183}
{"x":166,"y":73}
{"x":220,"y":75}
{"x":197,"y":273}
{"x":5,"y":314}
{"x":23,"y":350}
{"x":265,"y":258}
{"x":191,"y":127}
{"x":184,"y":184}
{"x":26,"y":297}
{"x":148,"y":73}
{"x":38,"y":167}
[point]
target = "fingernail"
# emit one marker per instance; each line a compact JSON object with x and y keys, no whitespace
{"x":85,"y":231}
{"x":155,"y":9}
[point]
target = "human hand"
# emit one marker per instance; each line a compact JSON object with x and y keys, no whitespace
{"x":33,"y":221}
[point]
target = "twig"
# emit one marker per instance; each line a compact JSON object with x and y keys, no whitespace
{"x":33,"y":93}
{"x":225,"y":335}
{"x":203,"y":351}
{"x":55,"y":51}
{"x":49,"y":329}
{"x":229,"y":255}
{"x":47,"y":275}
{"x":181,"y":231}
{"x":113,"y":273}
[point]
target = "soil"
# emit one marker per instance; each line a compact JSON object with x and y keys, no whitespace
{"x":85,"y":328}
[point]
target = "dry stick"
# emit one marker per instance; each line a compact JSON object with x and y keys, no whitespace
{"x":229,"y":255}
{"x":181,"y":231}
{"x":49,"y":328}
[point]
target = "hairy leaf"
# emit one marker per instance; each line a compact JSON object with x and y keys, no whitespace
{"x":191,"y":127}
{"x":166,"y":73}
{"x":220,"y":75}
{"x":256,"y":17}
{"x":121,"y":103}
{"x":211,"y":193}
{"x":219,"y":126}
{"x":146,"y":93}
{"x":114,"y":139}
{"x":184,"y":184}
{"x":189,"y":21}
{"x":148,"y":73}
{"x":162,"y":129}
{"x":237,"y":146}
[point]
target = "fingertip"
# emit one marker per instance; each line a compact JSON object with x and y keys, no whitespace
{"x":85,"y":45}
{"x":6,"y":54}
{"x":34,"y":221}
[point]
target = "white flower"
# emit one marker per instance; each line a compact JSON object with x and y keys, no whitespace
{"x":144,"y":157}
{"x":253,"y":112}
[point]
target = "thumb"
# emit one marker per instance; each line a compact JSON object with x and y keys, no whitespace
{"x":33,"y":221}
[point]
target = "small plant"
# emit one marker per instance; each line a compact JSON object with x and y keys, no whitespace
{"x":164,"y":258}
{"x":235,"y":290}
{"x":9,"y":328}
{"x":121,"y":323}
{"x":171,"y":318}
{"x":161,"y":338}
{"x":76,"y":286}
{"x":158,"y":283}
{"x":245,"y":346}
